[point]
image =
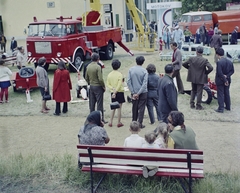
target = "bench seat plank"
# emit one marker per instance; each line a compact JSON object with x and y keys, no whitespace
{"x":134,"y":170}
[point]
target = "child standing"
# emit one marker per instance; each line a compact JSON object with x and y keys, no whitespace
{"x":162,"y":132}
{"x":150,"y":138}
{"x":134,"y":140}
{"x":5,"y":74}
{"x":160,"y":45}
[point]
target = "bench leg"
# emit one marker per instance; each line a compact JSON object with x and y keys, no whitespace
{"x":183,"y":185}
{"x":100,"y":181}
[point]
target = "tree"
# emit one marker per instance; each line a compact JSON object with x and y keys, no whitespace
{"x":204,"y":5}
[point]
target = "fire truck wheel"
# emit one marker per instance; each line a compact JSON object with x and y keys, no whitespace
{"x":77,"y":62}
{"x":207,"y":95}
{"x":109,"y":52}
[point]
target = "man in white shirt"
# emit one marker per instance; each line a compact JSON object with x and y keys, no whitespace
{"x":134,"y":140}
{"x":178,"y":37}
{"x":21,"y":58}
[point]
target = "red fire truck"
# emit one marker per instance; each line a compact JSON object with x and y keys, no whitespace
{"x":67,"y":40}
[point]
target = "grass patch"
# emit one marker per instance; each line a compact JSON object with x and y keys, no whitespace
{"x":40,"y":173}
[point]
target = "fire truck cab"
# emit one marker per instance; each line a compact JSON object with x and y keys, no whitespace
{"x":65,"y":39}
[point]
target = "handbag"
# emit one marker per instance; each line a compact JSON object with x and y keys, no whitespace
{"x":114,"y":105}
{"x":47,"y":96}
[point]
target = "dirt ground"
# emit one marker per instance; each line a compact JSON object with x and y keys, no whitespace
{"x":23,"y":129}
{"x":51,"y":135}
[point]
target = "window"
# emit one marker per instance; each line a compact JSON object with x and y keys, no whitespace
{"x":79,"y":27}
{"x":196,"y":18}
{"x":186,"y":18}
{"x":70,"y":29}
{"x":46,"y":30}
{"x":207,"y":17}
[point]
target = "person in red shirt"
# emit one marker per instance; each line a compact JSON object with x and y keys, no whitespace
{"x":160,"y":45}
{"x":61,"y":88}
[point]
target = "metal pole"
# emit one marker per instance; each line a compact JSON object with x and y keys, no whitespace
{"x":85,"y":18}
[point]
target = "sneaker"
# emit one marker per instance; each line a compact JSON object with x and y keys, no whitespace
{"x":192,"y":106}
{"x":145,"y":172}
{"x":120,"y":125}
{"x":153,"y":172}
{"x":142,"y":126}
{"x":110,"y":124}
{"x":1,"y":102}
{"x":199,"y":108}
{"x":218,"y":111}
{"x":6,"y":101}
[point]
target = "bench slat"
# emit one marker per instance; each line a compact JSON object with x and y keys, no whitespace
{"x":99,"y":168}
{"x":141,"y":162}
{"x":142,"y":156}
{"x":147,"y":150}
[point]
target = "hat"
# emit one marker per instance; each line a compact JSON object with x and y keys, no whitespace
{"x":177,"y":26}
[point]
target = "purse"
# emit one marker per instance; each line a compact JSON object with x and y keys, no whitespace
{"x":114,"y":105}
{"x":47,"y":96}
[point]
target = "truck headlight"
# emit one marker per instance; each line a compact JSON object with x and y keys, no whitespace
{"x":59,"y":54}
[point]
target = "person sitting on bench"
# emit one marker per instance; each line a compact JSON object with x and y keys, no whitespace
{"x":180,"y":137}
{"x":93,"y":133}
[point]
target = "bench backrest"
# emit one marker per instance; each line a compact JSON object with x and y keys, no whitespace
{"x":163,"y":158}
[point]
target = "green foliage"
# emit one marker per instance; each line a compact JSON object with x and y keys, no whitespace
{"x":39,"y":173}
{"x":204,"y":5}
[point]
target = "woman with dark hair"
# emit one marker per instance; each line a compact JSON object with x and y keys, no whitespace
{"x":61,"y":88}
{"x":115,"y":84}
{"x":93,"y":133}
{"x":152,"y":95}
{"x":42,"y":82}
{"x":180,"y":136}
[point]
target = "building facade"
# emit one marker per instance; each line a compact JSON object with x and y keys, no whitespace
{"x":16,"y":15}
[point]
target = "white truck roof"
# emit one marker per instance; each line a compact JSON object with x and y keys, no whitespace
{"x":198,"y":13}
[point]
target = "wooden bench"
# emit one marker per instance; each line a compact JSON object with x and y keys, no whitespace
{"x":184,"y":165}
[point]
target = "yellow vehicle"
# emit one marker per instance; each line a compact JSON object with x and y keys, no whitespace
{"x":146,"y":36}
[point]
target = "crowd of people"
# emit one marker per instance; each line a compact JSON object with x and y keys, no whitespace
{"x":152,"y":91}
{"x":203,"y":36}
{"x":147,"y":90}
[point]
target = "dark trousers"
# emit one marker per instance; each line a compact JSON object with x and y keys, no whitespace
{"x":3,"y":47}
{"x":203,"y":38}
{"x":58,"y":108}
{"x":176,"y":74}
{"x":223,"y":96}
{"x":96,"y":96}
{"x":152,"y":102}
{"x":164,"y":117}
{"x":138,"y":108}
{"x":197,"y":90}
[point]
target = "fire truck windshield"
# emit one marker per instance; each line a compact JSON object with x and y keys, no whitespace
{"x":47,"y":30}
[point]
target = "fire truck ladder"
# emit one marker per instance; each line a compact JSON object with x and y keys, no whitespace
{"x":146,"y":38}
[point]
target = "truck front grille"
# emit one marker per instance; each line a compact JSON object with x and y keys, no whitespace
{"x":43,"y":47}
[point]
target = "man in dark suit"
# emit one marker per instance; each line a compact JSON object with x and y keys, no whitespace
{"x":177,"y":63}
{"x":167,"y":94}
{"x":202,"y":31}
{"x":198,"y":70}
{"x":216,"y":42}
{"x":234,"y":36}
{"x":224,"y":71}
{"x":13,"y":45}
